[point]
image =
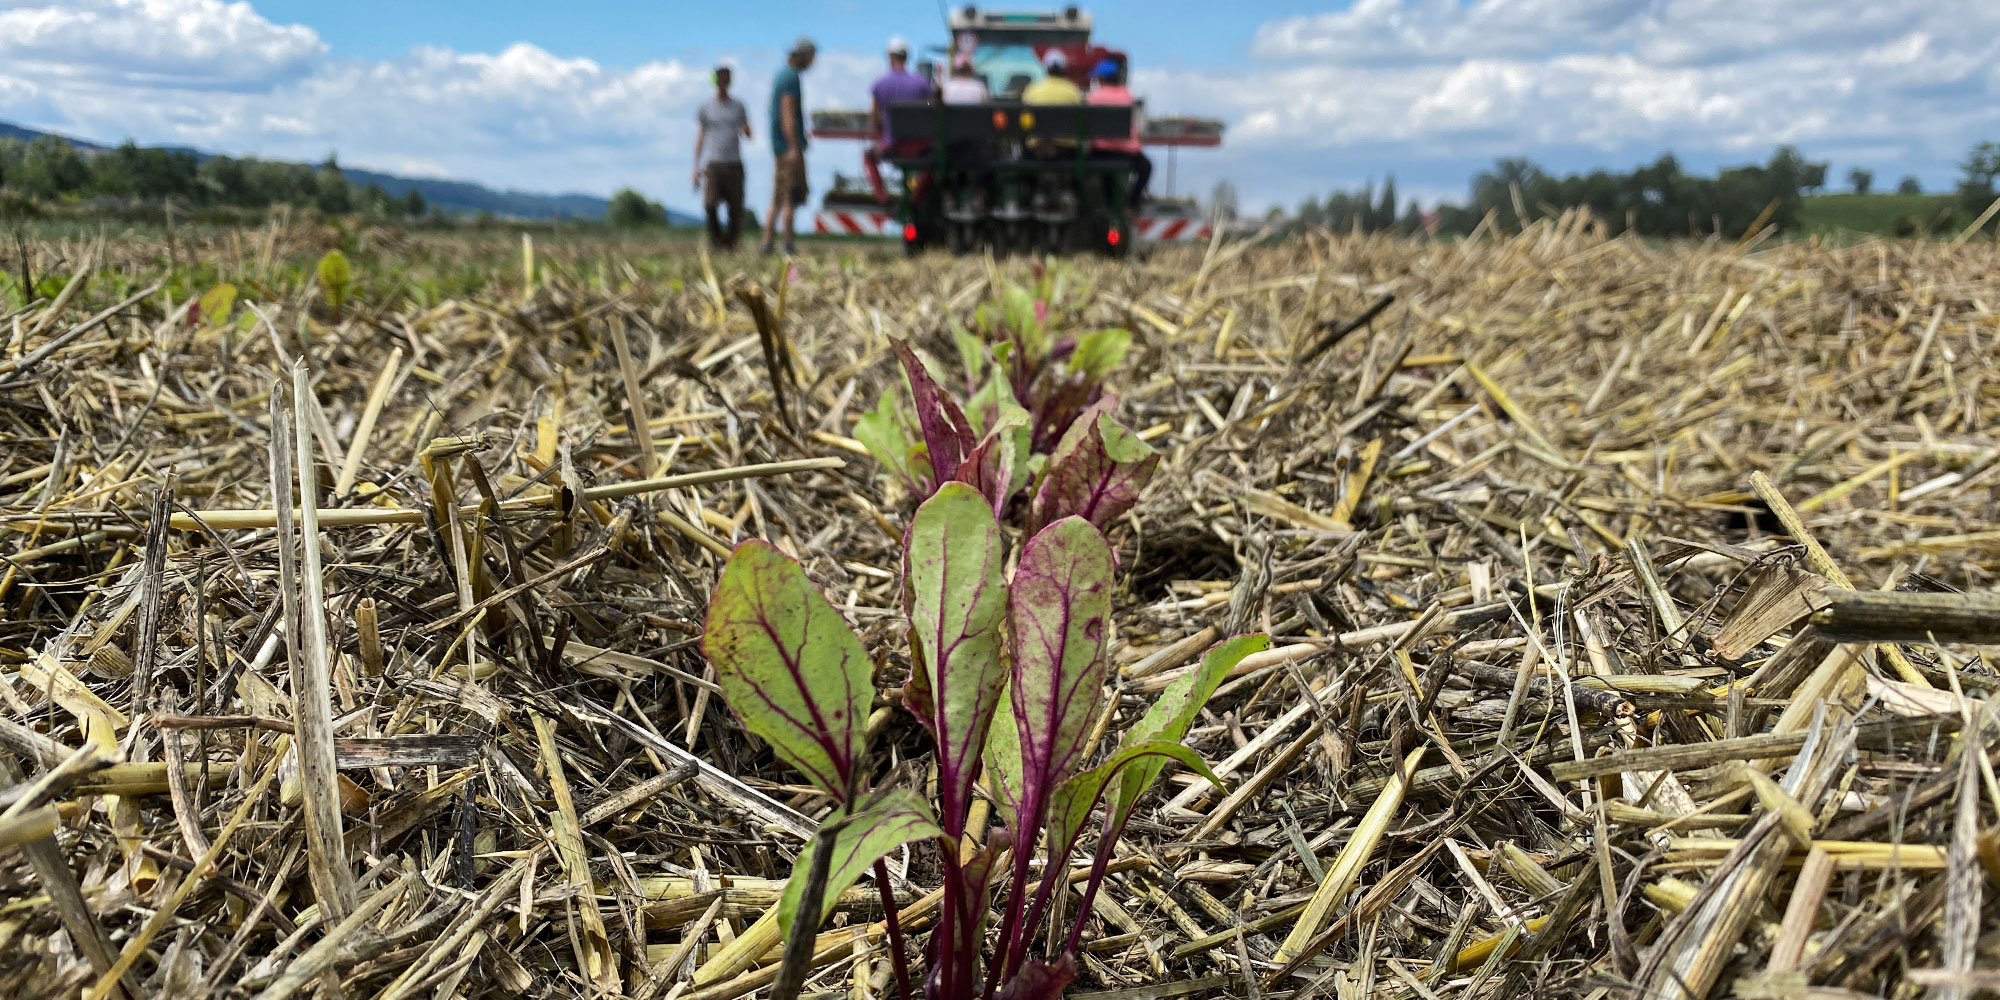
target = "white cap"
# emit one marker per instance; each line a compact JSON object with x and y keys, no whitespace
{"x":898,"y":47}
{"x":1055,"y":59}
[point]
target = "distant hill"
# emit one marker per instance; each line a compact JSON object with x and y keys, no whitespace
{"x":442,"y":193}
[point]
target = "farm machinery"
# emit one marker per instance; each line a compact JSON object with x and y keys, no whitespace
{"x":1005,"y":174}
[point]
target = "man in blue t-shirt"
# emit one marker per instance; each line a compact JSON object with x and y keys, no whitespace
{"x":788,"y":143}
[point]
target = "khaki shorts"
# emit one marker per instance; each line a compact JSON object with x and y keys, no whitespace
{"x":791,"y":177}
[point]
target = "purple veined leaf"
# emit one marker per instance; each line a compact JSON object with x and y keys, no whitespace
{"x":1096,"y":473}
{"x":1059,"y":614}
{"x":1070,"y":807}
{"x":892,"y":437}
{"x":954,"y":589}
{"x":884,"y":821}
{"x":1000,"y":466}
{"x":790,"y":667}
{"x":1040,"y":980}
{"x":946,"y":433}
{"x":1169,"y":717}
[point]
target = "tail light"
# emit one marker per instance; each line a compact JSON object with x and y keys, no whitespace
{"x":1112,"y":236}
{"x":910,"y":232}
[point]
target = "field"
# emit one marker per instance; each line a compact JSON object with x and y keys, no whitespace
{"x":1624,"y":603}
{"x":1880,"y":214}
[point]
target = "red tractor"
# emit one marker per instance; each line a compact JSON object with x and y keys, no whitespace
{"x":1004,"y":174}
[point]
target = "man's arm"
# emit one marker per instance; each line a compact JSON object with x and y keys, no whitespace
{"x":788,"y":117}
{"x":700,"y":137}
{"x":875,"y":117}
{"x":746,"y":126}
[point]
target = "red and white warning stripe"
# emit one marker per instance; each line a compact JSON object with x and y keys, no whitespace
{"x":1154,"y":229}
{"x":856,"y":222}
{"x":1169,"y":229}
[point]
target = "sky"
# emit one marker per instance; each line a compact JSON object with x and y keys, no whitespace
{"x":591,"y":96}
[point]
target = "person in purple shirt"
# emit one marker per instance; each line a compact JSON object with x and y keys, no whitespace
{"x":898,"y":86}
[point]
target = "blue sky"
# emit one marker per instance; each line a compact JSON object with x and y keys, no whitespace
{"x":591,"y":96}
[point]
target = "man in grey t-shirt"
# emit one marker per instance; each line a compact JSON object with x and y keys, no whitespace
{"x":723,"y":127}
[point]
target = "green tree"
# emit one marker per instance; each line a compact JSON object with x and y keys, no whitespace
{"x":413,"y":203}
{"x":332,"y":193}
{"x":629,"y":209}
{"x":1975,"y":185}
{"x":1910,"y":185}
{"x":49,"y":168}
{"x":1860,"y":180}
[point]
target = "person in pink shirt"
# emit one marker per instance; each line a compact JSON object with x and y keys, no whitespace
{"x":1108,"y":87}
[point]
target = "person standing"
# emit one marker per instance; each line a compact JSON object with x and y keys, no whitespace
{"x":788,"y":143}
{"x":718,"y":160}
{"x":898,"y":86}
{"x":1110,"y":89}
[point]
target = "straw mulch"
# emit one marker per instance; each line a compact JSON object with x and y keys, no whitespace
{"x":1541,"y":544}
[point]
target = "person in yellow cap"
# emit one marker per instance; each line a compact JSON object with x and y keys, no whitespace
{"x":1055,"y":86}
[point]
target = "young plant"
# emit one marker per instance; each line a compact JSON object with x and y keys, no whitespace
{"x":1007,"y":676}
{"x":1097,"y":467}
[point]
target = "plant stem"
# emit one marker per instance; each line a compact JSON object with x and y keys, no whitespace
{"x":797,"y":962}
{"x":894,"y":925}
{"x":1106,"y":842}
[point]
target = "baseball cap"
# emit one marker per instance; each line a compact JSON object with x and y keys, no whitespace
{"x":898,"y":47}
{"x":1055,"y":59}
{"x":1106,"y":70}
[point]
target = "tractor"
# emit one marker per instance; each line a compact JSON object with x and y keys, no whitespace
{"x":1002,"y":174}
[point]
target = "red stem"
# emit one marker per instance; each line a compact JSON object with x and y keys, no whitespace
{"x":1107,"y":840}
{"x":895,"y":927}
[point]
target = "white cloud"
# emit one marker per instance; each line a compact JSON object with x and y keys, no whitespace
{"x":170,"y":43}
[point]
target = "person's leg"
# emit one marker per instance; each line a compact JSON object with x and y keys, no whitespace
{"x":1142,"y":174}
{"x":733,"y":197}
{"x":792,"y":203}
{"x":778,"y":196}
{"x":871,"y":164}
{"x":711,"y":199}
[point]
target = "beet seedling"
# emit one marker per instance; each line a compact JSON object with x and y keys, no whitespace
{"x":1007,"y":677}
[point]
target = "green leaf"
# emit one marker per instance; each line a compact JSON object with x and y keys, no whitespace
{"x":955,"y":593}
{"x":1168,"y":718}
{"x":889,"y":432}
{"x":215,"y":305}
{"x":789,"y":665}
{"x":334,"y":276}
{"x":886,"y":820}
{"x":1075,"y":798}
{"x":971,"y":353}
{"x":1098,"y":352}
{"x":1003,"y":764}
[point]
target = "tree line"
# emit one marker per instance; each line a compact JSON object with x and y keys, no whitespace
{"x":48,"y":169}
{"x":1658,"y":199}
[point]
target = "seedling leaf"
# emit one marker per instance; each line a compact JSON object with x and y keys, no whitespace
{"x":1168,"y":718}
{"x":789,"y":665}
{"x":1058,"y":615}
{"x":956,"y":595}
{"x":886,"y":820}
{"x":946,"y":433}
{"x":1096,"y":472}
